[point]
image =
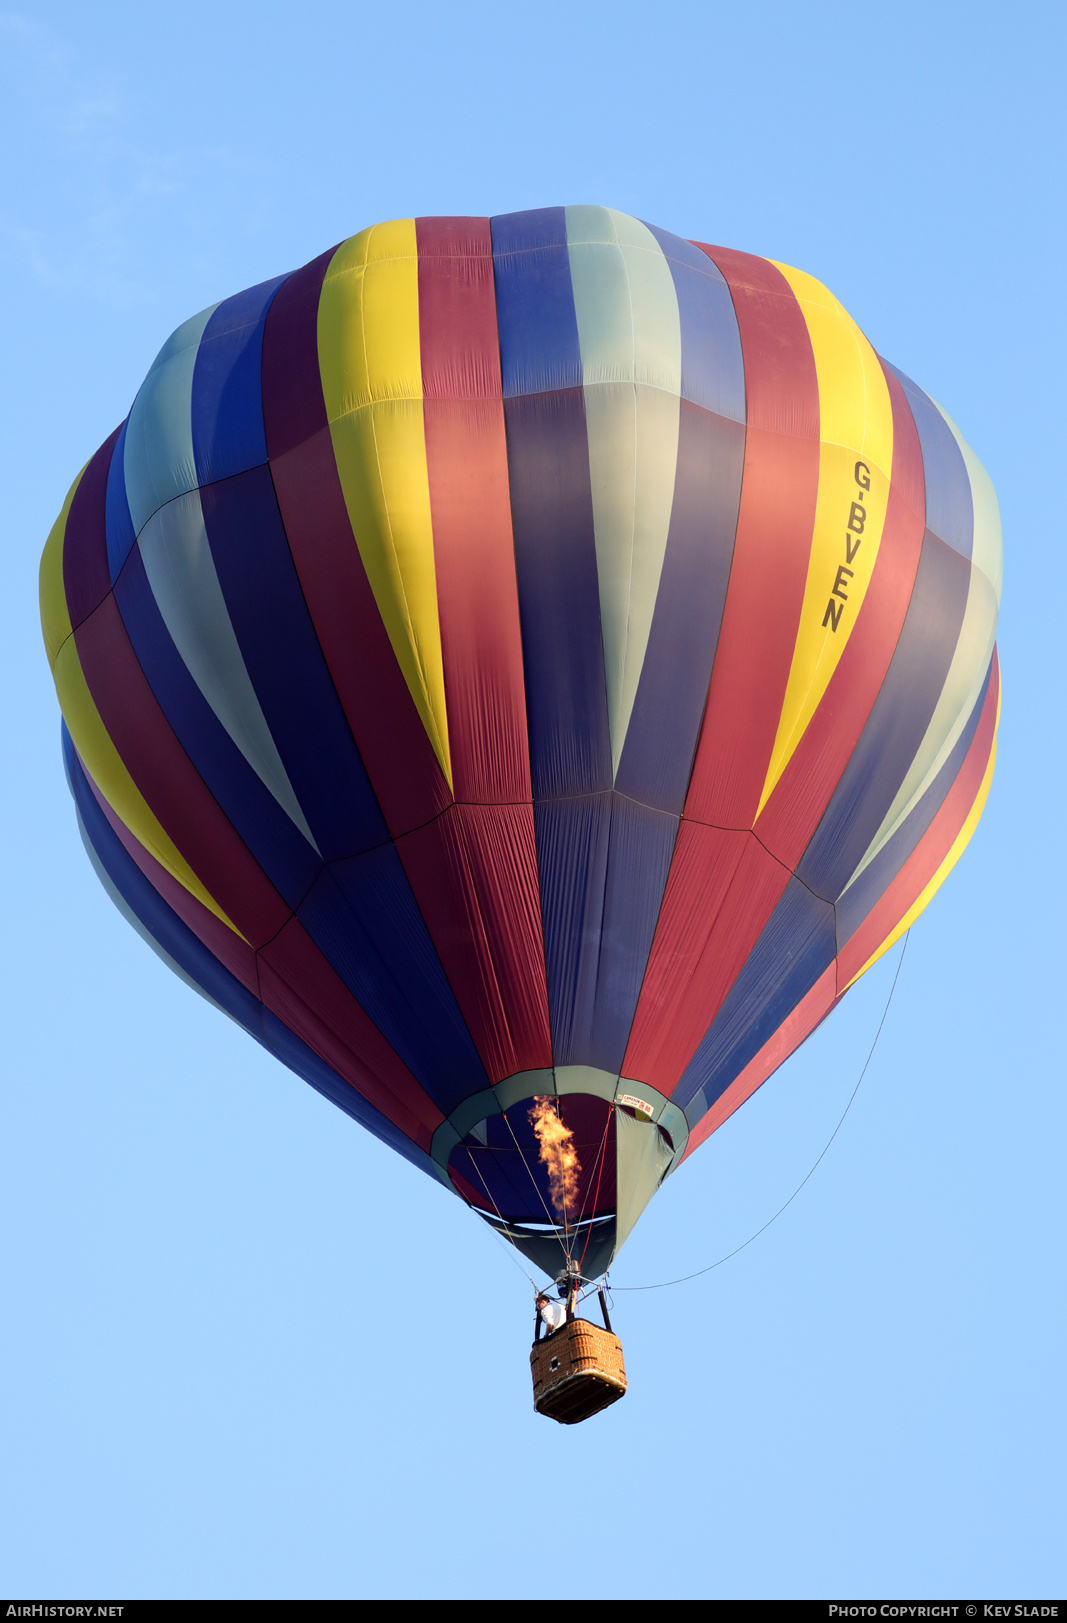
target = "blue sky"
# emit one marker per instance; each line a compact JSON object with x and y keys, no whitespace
{"x":250,"y":1352}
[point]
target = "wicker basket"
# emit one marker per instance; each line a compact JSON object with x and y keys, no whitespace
{"x":577,"y":1371}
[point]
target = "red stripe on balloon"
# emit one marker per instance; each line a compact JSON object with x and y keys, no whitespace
{"x":386,"y":726}
{"x":770,"y":562}
{"x":811,"y":775}
{"x":486,"y":865}
{"x":786,"y":1040}
{"x":470,"y":502}
{"x":474,"y":873}
{"x":722,"y":888}
{"x":932,"y":849}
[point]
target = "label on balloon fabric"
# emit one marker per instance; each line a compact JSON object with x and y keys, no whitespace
{"x":641,"y":1106}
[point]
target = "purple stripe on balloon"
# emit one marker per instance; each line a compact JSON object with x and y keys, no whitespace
{"x":86,"y":580}
{"x":293,"y":407}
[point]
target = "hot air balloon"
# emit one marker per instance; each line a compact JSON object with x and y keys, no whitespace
{"x":524,"y":670}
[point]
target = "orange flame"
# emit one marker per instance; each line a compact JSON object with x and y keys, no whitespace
{"x":557,"y":1153}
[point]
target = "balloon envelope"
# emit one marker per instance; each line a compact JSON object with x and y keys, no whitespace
{"x":522,"y":658}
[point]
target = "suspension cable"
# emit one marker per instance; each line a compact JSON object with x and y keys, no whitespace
{"x":602,"y":1157}
{"x":665,"y":1283}
{"x":515,"y":1252}
{"x":600,"y":1152}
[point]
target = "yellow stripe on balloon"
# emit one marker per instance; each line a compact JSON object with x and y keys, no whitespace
{"x":855,"y":461}
{"x":55,"y":616}
{"x":371,"y":367}
{"x":959,"y":845}
{"x":91,"y":740}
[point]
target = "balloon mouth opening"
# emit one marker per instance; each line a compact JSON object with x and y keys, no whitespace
{"x":547,"y":1163}
{"x":584,"y":1253}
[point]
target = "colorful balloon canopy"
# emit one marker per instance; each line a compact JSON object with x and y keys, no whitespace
{"x":528,"y":658}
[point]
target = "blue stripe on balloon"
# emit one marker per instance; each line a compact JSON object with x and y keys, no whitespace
{"x":897,"y":723}
{"x":563,"y":658}
{"x":713,"y":368}
{"x":556,"y":573}
{"x":118,"y":525}
{"x":640,"y":846}
{"x":363,"y":917}
{"x":604,"y":863}
{"x":657,"y":758}
{"x":180,"y":943}
{"x":286,"y":666}
{"x":797,"y":944}
{"x":949,"y":504}
{"x":227,"y":403}
{"x":865,"y":891}
{"x":559,"y":599}
{"x":512,"y":1185}
{"x":277,"y":844}
{"x":536,"y":322}
{"x":552,"y":507}
{"x":572,"y":854}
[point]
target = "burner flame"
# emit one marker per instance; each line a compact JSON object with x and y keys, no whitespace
{"x":557,"y":1153}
